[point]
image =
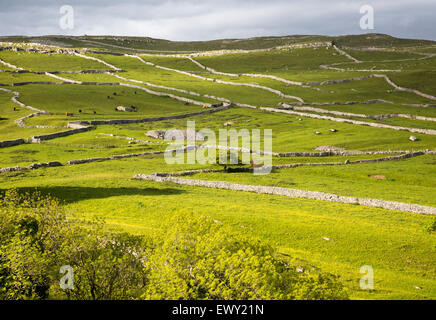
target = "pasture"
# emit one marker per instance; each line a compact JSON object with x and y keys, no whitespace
{"x":169,"y":89}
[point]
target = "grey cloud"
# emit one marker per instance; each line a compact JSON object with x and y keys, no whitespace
{"x":207,"y":19}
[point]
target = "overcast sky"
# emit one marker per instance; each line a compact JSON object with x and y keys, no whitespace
{"x":214,"y":19}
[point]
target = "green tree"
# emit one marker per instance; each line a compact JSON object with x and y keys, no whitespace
{"x":193,"y":257}
{"x":37,"y":238}
{"x":106,"y":266}
{"x":198,"y":258}
{"x":234,"y":160}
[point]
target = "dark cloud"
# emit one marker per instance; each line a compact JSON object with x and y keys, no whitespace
{"x":207,"y":19}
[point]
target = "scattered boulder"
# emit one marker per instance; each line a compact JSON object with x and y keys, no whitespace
{"x":45,"y":165}
{"x":229,"y":123}
{"x":347,"y":161}
{"x":125,"y":109}
{"x":413,"y":138}
{"x":317,"y":132}
{"x":174,"y":134}
{"x":10,"y":169}
{"x":333,"y":130}
{"x":378,"y":176}
{"x":329,"y":148}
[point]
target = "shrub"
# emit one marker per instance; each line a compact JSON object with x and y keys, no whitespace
{"x":37,"y":238}
{"x":197,"y":258}
{"x":431,"y":226}
{"x":192,"y":258}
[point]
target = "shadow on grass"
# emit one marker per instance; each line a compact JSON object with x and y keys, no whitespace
{"x":74,"y":194}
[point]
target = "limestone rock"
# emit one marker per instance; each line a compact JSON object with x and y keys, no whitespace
{"x":329,"y":148}
{"x":125,"y":109}
{"x":174,"y":134}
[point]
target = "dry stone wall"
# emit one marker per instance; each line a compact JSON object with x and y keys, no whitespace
{"x":20,"y":122}
{"x":10,"y":143}
{"x":98,"y":60}
{"x":174,"y":89}
{"x":295,"y":193}
{"x":32,"y":166}
{"x":125,"y":121}
{"x":252,"y":85}
{"x":254,"y":75}
{"x":240,"y":51}
{"x":358,"y":115}
{"x":37,"y":139}
{"x":124,"y":156}
{"x":388,"y":80}
{"x":342,"y":52}
{"x":370,"y":124}
{"x":10,"y":65}
{"x":64,"y":71}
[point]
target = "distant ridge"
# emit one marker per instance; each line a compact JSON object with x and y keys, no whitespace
{"x":150,"y":44}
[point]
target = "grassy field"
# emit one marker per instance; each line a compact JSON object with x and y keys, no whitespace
{"x":45,"y":62}
{"x":397,"y":244}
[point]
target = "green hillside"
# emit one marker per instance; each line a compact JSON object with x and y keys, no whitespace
{"x":334,"y":107}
